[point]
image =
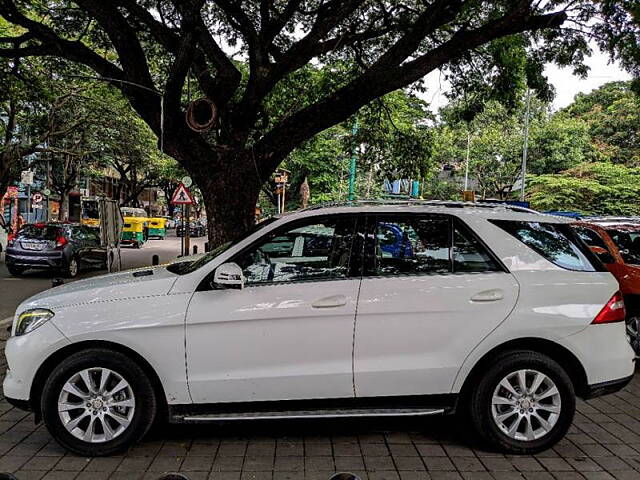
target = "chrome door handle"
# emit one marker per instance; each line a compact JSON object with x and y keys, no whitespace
{"x":488,"y":296}
{"x":330,"y":302}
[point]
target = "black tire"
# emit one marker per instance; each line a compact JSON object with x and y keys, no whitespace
{"x":15,"y":271}
{"x":143,"y":414}
{"x":136,"y":245}
{"x":69,"y":271}
{"x":480,"y":402}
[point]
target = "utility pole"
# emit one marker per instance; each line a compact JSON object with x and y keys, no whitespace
{"x":525,"y":150}
{"x":466,"y":171}
{"x":354,"y":158}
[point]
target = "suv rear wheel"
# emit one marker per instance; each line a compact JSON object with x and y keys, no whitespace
{"x":524,"y":403}
{"x":98,"y":402}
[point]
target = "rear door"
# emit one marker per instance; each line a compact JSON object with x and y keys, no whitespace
{"x":431,"y":292}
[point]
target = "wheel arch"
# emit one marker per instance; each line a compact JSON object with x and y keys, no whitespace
{"x":55,"y":358}
{"x":565,"y":358}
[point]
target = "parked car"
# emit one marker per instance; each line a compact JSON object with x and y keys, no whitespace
{"x":618,"y":247}
{"x":64,"y":247}
{"x":327,"y":324}
{"x":196,"y":229}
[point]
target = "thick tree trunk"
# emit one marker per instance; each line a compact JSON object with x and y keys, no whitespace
{"x":230,"y":196}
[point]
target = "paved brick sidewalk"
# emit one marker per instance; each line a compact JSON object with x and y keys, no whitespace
{"x":604,"y":443}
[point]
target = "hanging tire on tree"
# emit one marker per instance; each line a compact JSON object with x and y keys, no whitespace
{"x":202,"y":115}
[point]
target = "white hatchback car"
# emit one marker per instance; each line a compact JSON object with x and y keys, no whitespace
{"x":415,"y":308}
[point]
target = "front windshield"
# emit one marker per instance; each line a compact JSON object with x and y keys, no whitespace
{"x":183,"y":268}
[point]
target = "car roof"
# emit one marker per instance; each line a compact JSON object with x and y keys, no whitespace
{"x":495,"y":211}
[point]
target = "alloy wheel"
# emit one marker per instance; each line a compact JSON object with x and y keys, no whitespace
{"x":526,"y":405}
{"x":73,"y":267}
{"x":96,"y":405}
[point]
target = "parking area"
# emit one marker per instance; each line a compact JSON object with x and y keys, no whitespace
{"x":604,"y":443}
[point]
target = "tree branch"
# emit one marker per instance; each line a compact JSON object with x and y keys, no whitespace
{"x":374,"y":83}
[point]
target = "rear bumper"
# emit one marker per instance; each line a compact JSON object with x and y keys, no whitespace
{"x":605,"y":388}
{"x":44,"y":261}
{"x":604,"y":352}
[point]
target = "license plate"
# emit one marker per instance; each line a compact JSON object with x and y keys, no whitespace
{"x":32,"y":246}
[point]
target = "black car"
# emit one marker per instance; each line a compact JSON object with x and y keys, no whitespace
{"x":64,"y":247}
{"x":196,"y":229}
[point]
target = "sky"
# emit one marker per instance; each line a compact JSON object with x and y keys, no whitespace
{"x":566,"y":84}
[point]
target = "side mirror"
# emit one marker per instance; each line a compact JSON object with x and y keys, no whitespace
{"x":229,"y":275}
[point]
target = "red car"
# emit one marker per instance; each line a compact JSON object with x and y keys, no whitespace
{"x":618,"y":247}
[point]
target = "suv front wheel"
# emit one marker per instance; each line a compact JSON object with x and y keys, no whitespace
{"x":524,"y":403}
{"x":98,"y":402}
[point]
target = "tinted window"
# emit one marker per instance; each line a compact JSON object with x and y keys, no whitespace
{"x":320,"y":250}
{"x":593,"y":239}
{"x":556,"y":242}
{"x":590,"y":237}
{"x":469,"y":255}
{"x":419,"y":244}
{"x":91,"y":234}
{"x":412,"y":245}
{"x":33,"y":232}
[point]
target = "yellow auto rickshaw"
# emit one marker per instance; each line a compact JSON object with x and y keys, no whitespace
{"x":158,"y":227}
{"x":135,"y":230}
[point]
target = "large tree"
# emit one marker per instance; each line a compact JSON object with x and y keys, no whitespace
{"x":159,"y":45}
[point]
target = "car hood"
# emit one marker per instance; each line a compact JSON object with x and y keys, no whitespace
{"x":144,"y":282}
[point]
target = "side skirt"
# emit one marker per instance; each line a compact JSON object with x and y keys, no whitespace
{"x":413,"y":406}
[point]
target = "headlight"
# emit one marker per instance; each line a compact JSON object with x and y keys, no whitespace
{"x":32,"y":319}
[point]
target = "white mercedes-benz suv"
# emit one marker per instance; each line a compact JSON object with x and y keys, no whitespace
{"x":411,"y":308}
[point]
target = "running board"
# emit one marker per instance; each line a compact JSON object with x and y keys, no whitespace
{"x":303,"y":414}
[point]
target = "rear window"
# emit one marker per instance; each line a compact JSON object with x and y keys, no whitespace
{"x":558,"y":243}
{"x":33,"y":232}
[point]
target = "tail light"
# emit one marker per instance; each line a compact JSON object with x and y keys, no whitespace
{"x":61,"y":241}
{"x":11,"y":239}
{"x":613,"y":311}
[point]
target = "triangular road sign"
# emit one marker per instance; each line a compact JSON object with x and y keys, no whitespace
{"x":182,"y":196}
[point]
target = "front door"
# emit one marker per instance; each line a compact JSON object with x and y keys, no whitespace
{"x":430,"y":294}
{"x":288,"y":335}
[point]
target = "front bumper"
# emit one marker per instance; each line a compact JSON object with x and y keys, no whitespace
{"x":25,"y":355}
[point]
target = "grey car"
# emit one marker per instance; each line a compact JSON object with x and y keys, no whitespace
{"x":63,"y":247}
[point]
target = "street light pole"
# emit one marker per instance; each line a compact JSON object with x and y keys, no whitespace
{"x":352,"y":169}
{"x":525,"y":150}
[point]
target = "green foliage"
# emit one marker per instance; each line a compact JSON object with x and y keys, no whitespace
{"x":613,"y":115}
{"x":597,"y":188}
{"x":558,"y":143}
{"x":393,"y":140}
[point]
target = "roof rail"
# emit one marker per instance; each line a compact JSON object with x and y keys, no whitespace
{"x":418,"y":202}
